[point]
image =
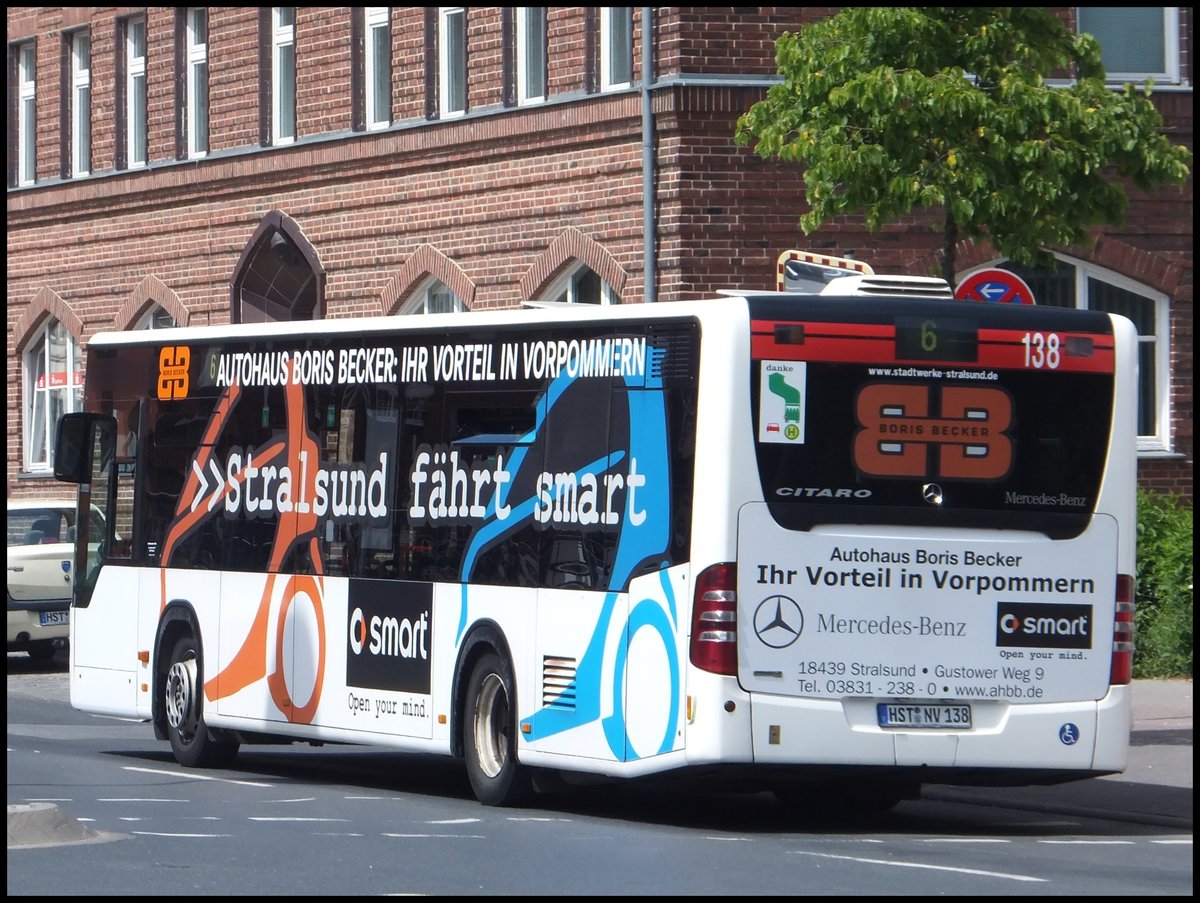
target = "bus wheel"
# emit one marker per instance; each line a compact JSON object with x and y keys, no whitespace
{"x":190,"y":739}
{"x":489,"y":735}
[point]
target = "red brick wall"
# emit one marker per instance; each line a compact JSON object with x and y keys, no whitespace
{"x":496,"y":199}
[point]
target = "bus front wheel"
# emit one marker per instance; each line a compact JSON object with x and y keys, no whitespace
{"x":191,"y":742}
{"x":490,"y":734}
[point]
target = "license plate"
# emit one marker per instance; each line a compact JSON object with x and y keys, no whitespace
{"x":54,"y":618}
{"x":924,"y":715}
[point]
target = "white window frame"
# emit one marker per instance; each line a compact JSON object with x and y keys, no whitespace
{"x":531,"y":62}
{"x":608,"y":35}
{"x":81,"y":103}
{"x":136,"y":137}
{"x":282,"y":36}
{"x":422,"y":299}
{"x":1159,"y":442}
{"x":567,"y":284}
{"x":378,"y":109}
{"x":27,"y":113}
{"x":450,"y":68}
{"x":38,"y":398}
{"x":1170,"y":73}
{"x":197,"y":69}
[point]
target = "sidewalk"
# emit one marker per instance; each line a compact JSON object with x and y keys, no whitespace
{"x":1156,"y":786}
{"x":1162,"y":705}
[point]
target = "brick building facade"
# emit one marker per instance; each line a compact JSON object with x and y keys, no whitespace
{"x":488,"y":196}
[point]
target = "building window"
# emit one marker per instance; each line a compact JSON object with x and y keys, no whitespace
{"x":156,"y":318}
{"x":26,"y":114}
{"x":135,"y":92}
{"x":377,"y":64}
{"x":1136,"y":42}
{"x":452,"y":61}
{"x":1075,"y":283}
{"x":434,"y":297}
{"x":581,"y":285}
{"x":53,"y":387}
{"x":80,"y":103}
{"x":283,"y":74}
{"x":531,"y":54}
{"x":196,"y":49}
{"x":616,"y":47}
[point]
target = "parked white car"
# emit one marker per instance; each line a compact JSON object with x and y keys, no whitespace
{"x":41,"y":564}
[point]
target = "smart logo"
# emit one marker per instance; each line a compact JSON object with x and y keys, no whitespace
{"x":1044,"y":626}
{"x":388,"y":635}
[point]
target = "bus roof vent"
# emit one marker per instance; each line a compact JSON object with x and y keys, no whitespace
{"x":891,"y":286}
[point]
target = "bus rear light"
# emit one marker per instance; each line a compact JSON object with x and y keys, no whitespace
{"x":714,"y":620}
{"x":1122,"y":655}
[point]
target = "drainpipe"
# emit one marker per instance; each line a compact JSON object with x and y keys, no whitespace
{"x":649,"y":227}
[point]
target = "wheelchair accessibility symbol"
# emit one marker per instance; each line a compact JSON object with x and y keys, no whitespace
{"x":1068,"y":734}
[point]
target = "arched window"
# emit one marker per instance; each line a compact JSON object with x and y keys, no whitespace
{"x":53,"y":386}
{"x":433,"y":297}
{"x":279,"y":276}
{"x":581,"y":285}
{"x":155,"y":318}
{"x":1076,"y":283}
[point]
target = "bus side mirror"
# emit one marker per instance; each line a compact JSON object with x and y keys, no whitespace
{"x":73,"y":445}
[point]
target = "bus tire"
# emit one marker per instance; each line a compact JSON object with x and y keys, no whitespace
{"x":182,"y":701}
{"x":490,"y":735}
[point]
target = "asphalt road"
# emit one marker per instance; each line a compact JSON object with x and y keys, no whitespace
{"x":349,"y":820}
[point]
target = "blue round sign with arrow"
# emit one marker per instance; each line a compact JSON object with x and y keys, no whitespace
{"x":996,"y":286}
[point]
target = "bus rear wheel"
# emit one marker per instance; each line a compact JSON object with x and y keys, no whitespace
{"x":191,"y":741}
{"x":490,"y":733}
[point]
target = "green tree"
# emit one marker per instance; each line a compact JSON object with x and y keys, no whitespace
{"x":892,"y":109}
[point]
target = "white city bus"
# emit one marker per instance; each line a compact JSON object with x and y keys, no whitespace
{"x":846,"y":539}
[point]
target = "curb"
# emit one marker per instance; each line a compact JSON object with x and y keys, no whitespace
{"x":45,"y":824}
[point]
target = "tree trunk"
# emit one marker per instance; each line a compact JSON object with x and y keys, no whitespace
{"x":949,"y":250}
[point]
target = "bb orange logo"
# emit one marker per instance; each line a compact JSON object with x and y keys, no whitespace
{"x":173,"y":363}
{"x":900,"y":435}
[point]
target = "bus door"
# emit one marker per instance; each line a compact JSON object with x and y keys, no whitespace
{"x":104,"y":613}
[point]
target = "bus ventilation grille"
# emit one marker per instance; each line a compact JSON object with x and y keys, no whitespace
{"x":558,"y":682}
{"x":674,"y":361}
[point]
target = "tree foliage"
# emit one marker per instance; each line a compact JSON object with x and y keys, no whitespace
{"x":892,"y":109}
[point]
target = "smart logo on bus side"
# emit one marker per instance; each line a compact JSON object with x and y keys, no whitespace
{"x":389,"y":635}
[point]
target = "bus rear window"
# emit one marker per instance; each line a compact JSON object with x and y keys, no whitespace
{"x":851,"y":428}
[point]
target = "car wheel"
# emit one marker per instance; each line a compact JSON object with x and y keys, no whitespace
{"x":42,"y":651}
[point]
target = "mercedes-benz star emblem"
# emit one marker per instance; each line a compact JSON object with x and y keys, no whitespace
{"x":932,"y":493}
{"x":778,"y":621}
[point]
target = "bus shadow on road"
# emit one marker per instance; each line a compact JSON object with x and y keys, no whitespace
{"x":1090,"y":807}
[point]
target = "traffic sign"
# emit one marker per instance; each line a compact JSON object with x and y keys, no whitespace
{"x":997,"y":286}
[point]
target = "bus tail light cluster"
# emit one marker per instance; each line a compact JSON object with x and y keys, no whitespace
{"x":714,"y":620}
{"x":1122,"y":657}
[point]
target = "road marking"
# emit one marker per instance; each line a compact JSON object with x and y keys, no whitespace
{"x":921,"y":865}
{"x":194,"y":777}
{"x":437,"y":836}
{"x":185,"y":836}
{"x":964,"y":840}
{"x":292,"y":818}
{"x":1091,"y":843}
